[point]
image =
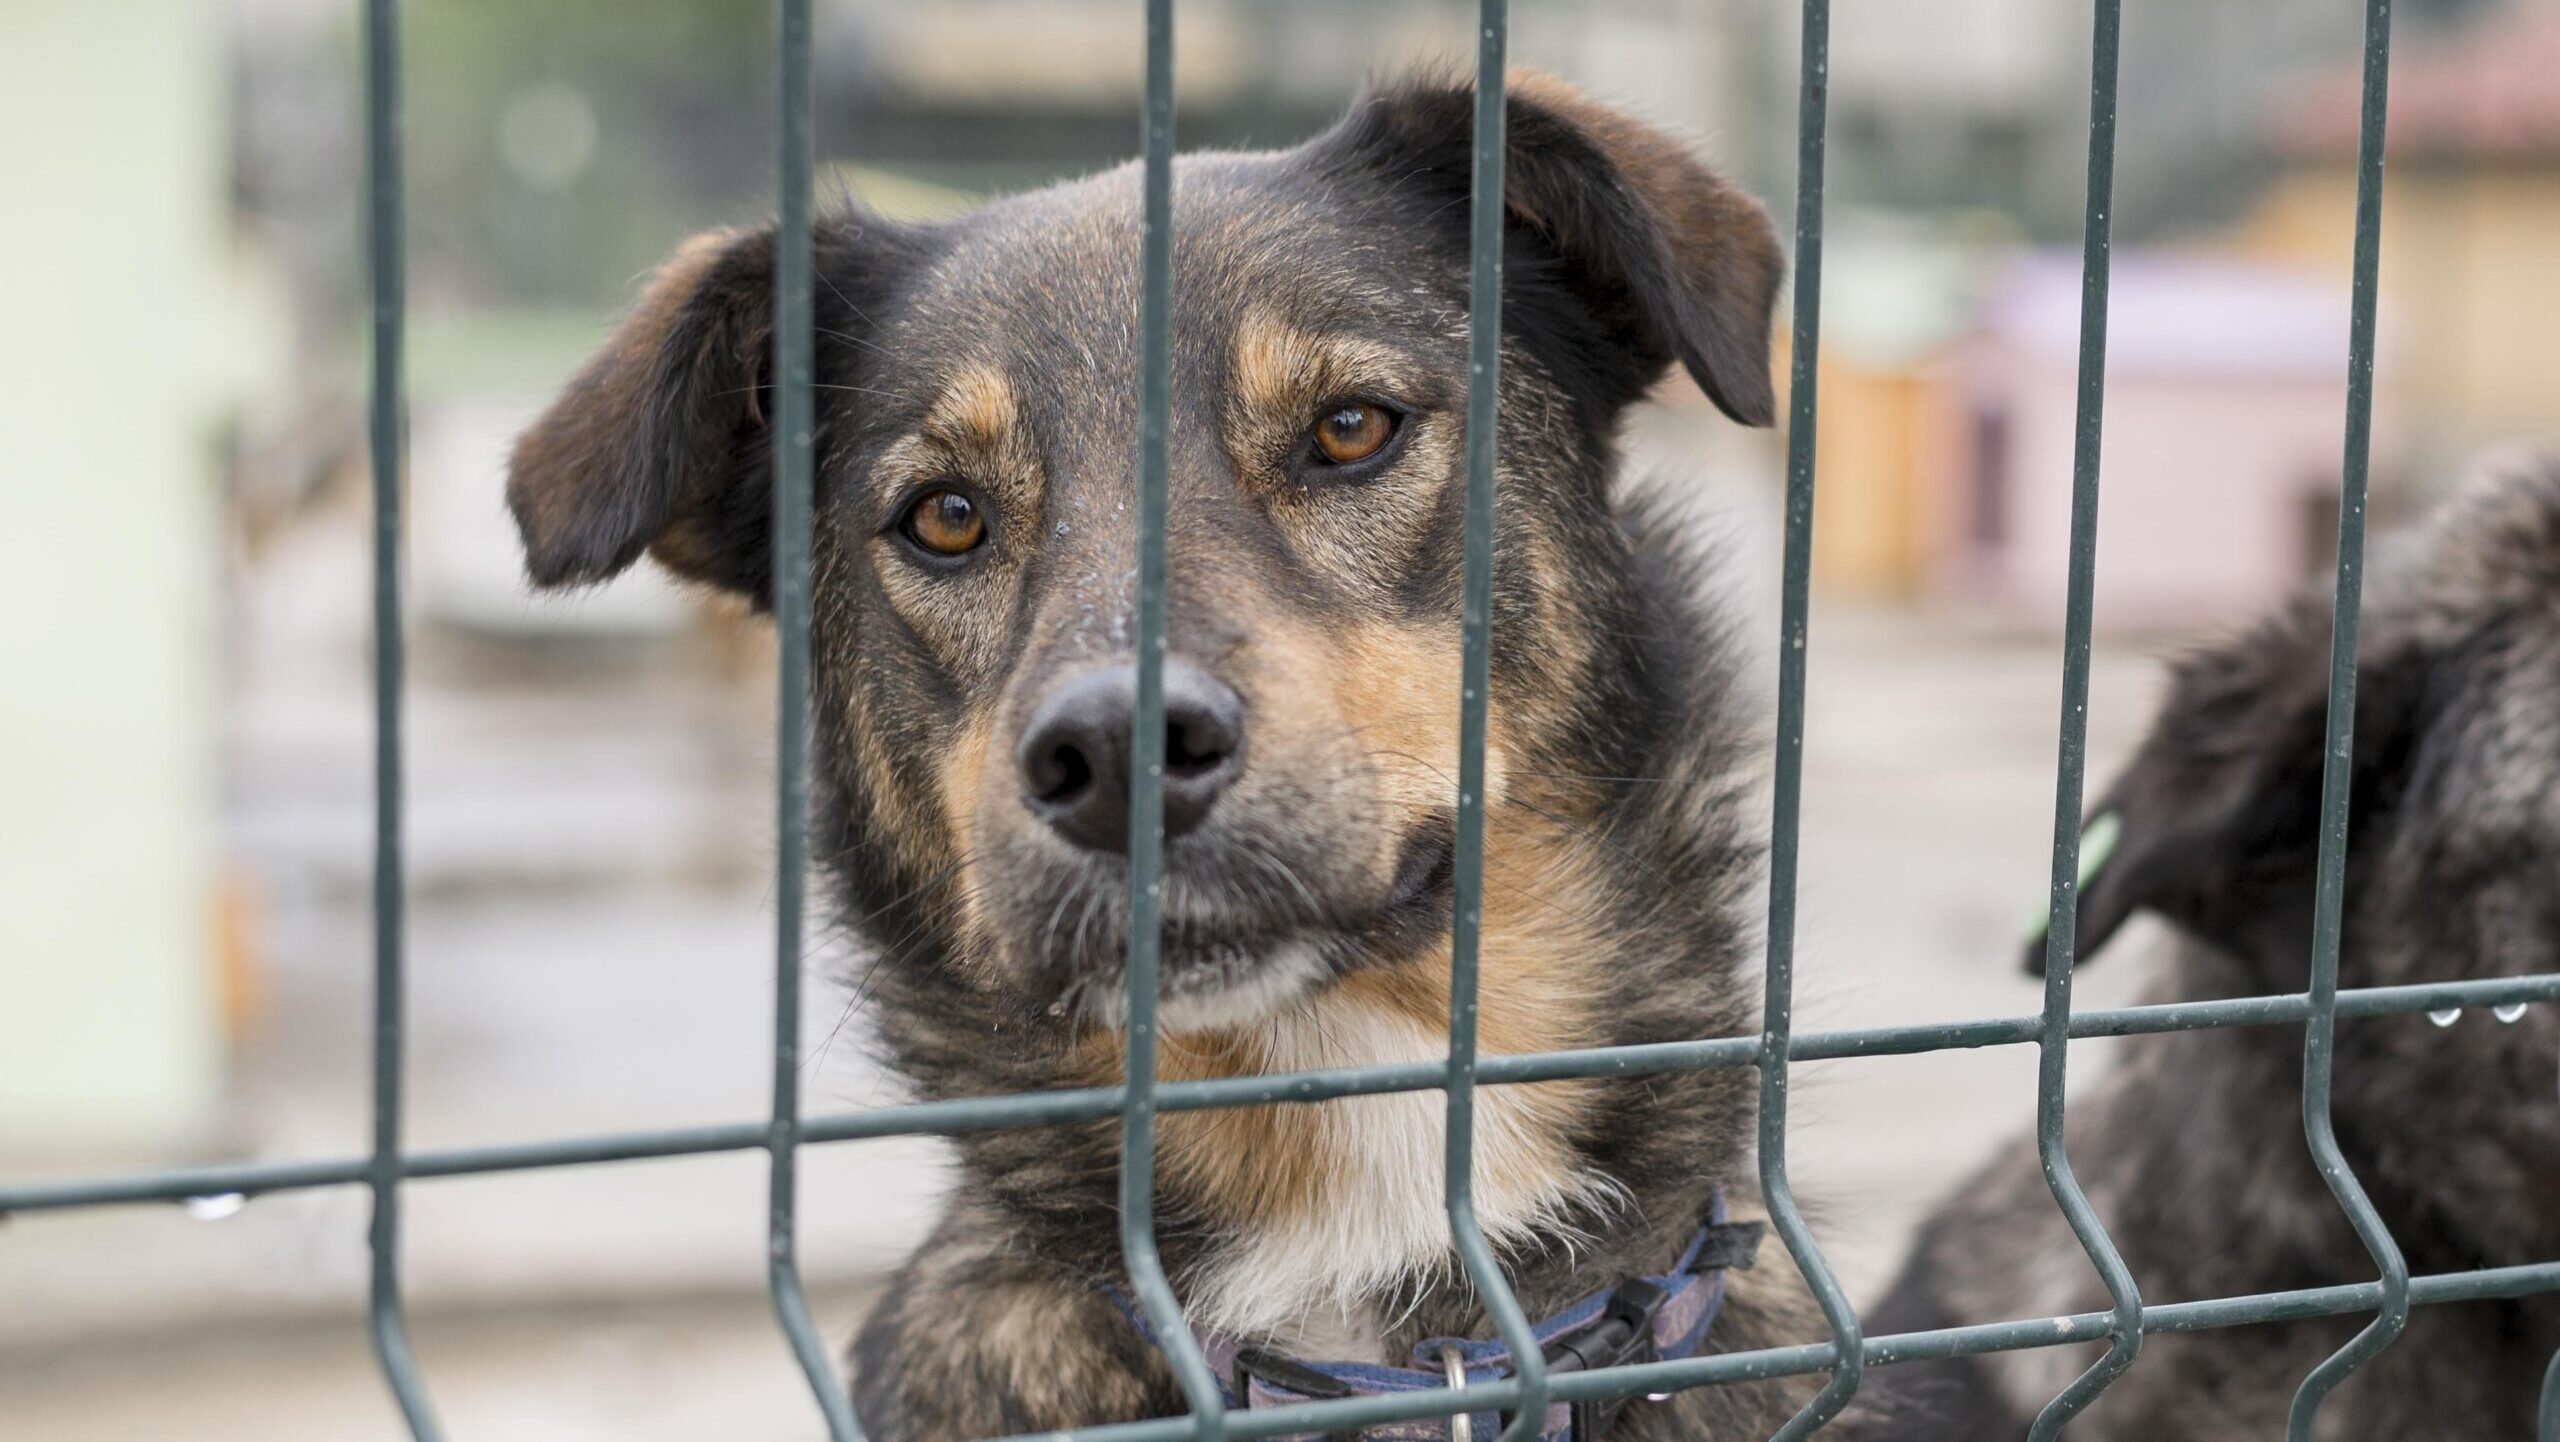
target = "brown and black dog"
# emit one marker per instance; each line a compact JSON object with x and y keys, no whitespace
{"x":2192,"y":1149}
{"x":973,"y":687}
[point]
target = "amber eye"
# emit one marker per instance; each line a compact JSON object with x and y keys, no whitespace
{"x":1354,"y":432}
{"x":946,"y":523}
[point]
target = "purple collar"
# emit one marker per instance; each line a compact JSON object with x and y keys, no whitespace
{"x":1641,"y":1319}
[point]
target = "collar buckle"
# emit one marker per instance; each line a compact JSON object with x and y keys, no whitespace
{"x":1621,"y":1335}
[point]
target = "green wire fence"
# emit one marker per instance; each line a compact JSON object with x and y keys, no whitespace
{"x":2062,"y":926}
{"x":387,"y":1167}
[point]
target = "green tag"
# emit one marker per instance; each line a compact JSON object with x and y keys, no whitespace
{"x":2097,"y":842}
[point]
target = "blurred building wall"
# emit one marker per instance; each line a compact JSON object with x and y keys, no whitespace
{"x":1879,"y":428}
{"x":110,"y":1033}
{"x":2225,"y":395}
{"x":2470,"y":257}
{"x":2470,"y":225}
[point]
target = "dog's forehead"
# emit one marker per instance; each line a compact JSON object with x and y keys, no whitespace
{"x":1052,"y":277}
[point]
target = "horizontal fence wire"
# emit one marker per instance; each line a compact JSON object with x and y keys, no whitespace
{"x":1732,"y":1367}
{"x":2053,"y":1064}
{"x":1139,"y":1099}
{"x":960,"y":1116}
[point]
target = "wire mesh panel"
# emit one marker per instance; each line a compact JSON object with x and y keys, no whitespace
{"x":1140,"y":1098}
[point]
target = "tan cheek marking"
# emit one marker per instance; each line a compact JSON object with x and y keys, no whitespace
{"x":1533,"y":993}
{"x":912,"y":834}
{"x":1395,"y":695}
{"x":1543,"y":937}
{"x":960,"y":779}
{"x":1399,"y":693}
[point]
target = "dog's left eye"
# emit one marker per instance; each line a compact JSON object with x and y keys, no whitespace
{"x":1353,"y":433}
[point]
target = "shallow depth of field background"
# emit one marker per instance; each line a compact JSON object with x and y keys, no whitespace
{"x":185,"y":737}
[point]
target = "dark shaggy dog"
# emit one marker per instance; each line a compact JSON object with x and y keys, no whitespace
{"x":2192,"y":1149}
{"x":973,"y":685}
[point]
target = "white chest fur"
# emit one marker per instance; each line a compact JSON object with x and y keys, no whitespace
{"x":1313,"y":1284}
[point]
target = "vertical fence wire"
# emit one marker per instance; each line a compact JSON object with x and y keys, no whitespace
{"x":2071,"y":763}
{"x":1777,"y":1026}
{"x":2550,"y":1429}
{"x":794,"y":412}
{"x":1146,"y":749}
{"x":386,"y":265}
{"x":2338,"y":765}
{"x":1466,"y":924}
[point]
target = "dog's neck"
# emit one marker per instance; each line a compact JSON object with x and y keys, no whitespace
{"x":1335,"y":1212}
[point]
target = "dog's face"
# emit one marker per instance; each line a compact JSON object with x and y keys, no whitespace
{"x":2453,"y":866}
{"x":976,"y":536}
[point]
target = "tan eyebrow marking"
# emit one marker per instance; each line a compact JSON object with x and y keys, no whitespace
{"x":1281,"y":369}
{"x":975,"y":411}
{"x":1283,"y":372}
{"x":974,"y":426}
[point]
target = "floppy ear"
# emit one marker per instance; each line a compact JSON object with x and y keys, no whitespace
{"x":662,"y":443}
{"x":1625,"y":254}
{"x":2214,"y":824}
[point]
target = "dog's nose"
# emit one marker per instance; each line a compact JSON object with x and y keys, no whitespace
{"x":1074,"y":756}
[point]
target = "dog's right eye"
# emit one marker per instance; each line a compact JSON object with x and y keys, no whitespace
{"x":945,"y":523}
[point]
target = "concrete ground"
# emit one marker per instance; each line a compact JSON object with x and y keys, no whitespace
{"x":685,"y":1368}
{"x":590,"y":944}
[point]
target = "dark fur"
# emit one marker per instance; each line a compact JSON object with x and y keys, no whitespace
{"x":2193,"y":1150}
{"x":994,"y":943}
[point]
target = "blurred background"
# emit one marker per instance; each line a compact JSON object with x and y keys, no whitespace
{"x":185,"y":745}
